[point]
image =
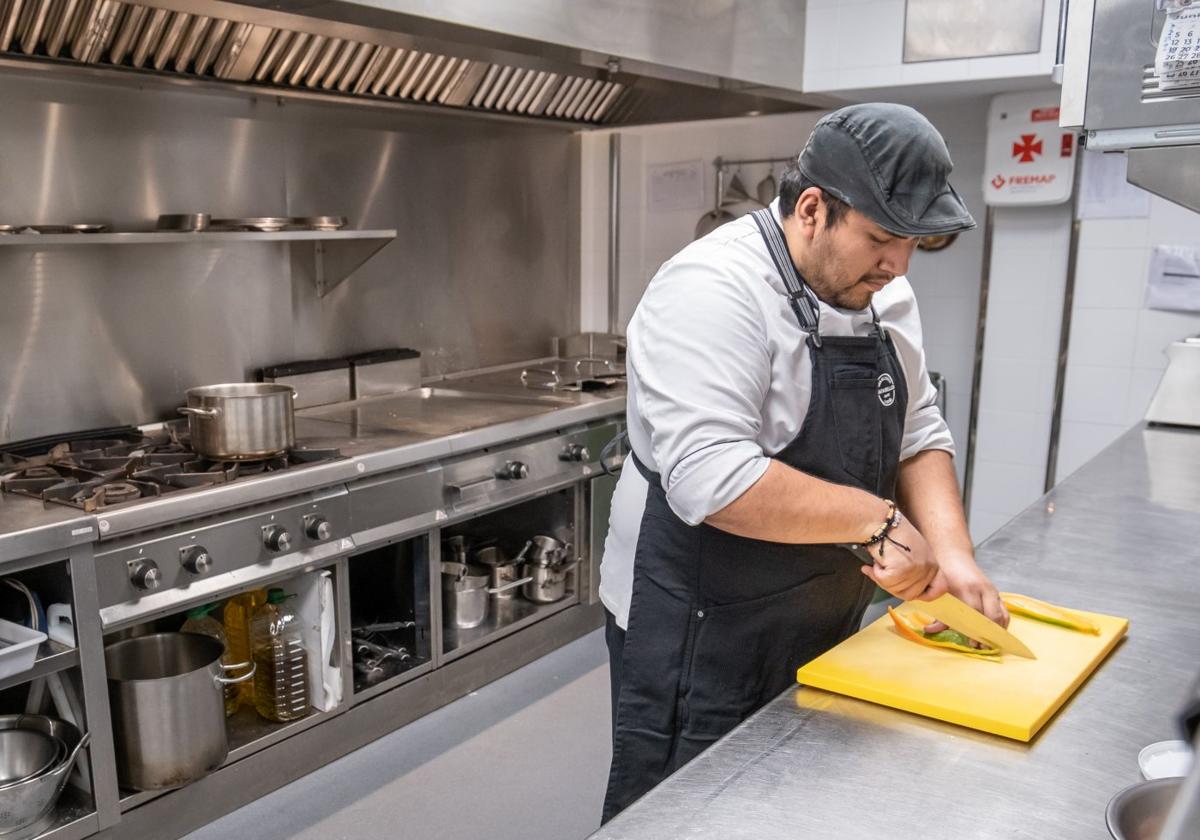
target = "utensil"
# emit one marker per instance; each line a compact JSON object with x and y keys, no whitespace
{"x":767,"y":188}
{"x":25,"y":802}
{"x":547,"y":551}
{"x":975,"y":625}
{"x":718,"y":216}
{"x":1139,"y":811}
{"x":546,"y":584}
{"x":167,"y":693}
{"x":465,"y":593}
{"x":25,"y":753}
{"x":505,"y":574}
{"x":735,"y":191}
{"x":317,"y":222}
{"x":262,"y":224}
{"x":184,"y":222}
{"x":241,"y":421}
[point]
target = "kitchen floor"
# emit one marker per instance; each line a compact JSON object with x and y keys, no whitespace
{"x":525,"y":757}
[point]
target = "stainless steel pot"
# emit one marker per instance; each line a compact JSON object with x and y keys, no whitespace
{"x":168,"y":707}
{"x":241,"y":421}
{"x":24,"y":803}
{"x":546,"y":551}
{"x":505,"y":574}
{"x":465,"y":593}
{"x":546,"y":584}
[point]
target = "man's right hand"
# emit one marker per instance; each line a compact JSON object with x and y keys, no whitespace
{"x":911,"y":574}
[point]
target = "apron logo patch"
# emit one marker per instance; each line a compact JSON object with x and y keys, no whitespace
{"x":886,"y":389}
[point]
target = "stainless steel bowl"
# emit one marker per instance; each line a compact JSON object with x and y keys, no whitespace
{"x":1139,"y":811}
{"x":24,"y":803}
{"x":25,"y":753}
{"x":184,"y":222}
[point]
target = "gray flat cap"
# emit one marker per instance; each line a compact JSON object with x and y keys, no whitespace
{"x":889,"y":163}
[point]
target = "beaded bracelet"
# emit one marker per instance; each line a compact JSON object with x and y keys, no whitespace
{"x":883,"y":535}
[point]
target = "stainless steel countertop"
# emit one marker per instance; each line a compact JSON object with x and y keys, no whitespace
{"x":29,"y":527}
{"x":1119,"y":537}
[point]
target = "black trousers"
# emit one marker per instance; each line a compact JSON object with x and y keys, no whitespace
{"x":614,"y":637}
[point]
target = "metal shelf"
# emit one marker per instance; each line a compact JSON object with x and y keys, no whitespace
{"x":51,"y":657}
{"x":336,"y":254}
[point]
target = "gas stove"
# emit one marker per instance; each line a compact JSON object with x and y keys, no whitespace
{"x":106,"y":468}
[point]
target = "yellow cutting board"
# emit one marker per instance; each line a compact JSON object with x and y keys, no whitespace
{"x":1010,"y":696}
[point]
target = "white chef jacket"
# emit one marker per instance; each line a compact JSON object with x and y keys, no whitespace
{"x":720,"y":379}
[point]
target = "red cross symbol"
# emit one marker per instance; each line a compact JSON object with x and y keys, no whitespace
{"x":1029,"y":147}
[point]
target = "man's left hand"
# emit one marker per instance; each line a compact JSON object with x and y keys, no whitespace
{"x":971,"y":586}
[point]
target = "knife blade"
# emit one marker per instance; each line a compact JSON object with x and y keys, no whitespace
{"x":974,"y":624}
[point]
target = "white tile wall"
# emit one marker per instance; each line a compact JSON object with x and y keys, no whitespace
{"x":1116,"y":354}
{"x":1024,"y":319}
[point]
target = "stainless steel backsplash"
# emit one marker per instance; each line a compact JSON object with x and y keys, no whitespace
{"x":483,"y":271}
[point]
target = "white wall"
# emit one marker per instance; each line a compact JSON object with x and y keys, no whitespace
{"x":856,"y":44}
{"x":1116,"y":354}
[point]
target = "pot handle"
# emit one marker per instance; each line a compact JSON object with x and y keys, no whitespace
{"x":513,"y":585}
{"x":206,"y":413}
{"x":235,"y":680}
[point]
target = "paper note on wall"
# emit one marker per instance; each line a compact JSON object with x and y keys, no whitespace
{"x":1177,"y":60}
{"x":1105,"y":194}
{"x":676,"y":186}
{"x":1174,"y":279}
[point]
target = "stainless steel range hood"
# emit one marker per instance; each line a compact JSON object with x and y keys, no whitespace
{"x":369,"y":55}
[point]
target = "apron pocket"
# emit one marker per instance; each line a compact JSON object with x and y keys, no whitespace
{"x":856,"y":419}
{"x":743,"y":654}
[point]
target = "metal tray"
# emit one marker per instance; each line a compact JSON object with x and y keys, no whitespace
{"x":264,"y":224}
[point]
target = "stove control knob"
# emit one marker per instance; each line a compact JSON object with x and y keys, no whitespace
{"x":317,"y":527}
{"x":196,"y":559}
{"x":513,"y":470}
{"x":576,"y":452}
{"x":276,"y":538}
{"x":144,"y":574}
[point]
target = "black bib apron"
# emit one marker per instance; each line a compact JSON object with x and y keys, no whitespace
{"x":718,"y":623}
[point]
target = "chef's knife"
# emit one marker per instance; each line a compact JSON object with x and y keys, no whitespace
{"x":974,"y":624}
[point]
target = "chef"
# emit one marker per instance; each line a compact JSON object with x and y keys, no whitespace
{"x":784,"y":431}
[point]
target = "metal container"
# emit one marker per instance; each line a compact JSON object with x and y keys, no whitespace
{"x":183,"y":222}
{"x":242,"y":421}
{"x":504,"y":574}
{"x":546,"y":551}
{"x":25,"y":753}
{"x":317,"y":382}
{"x":464,"y":595}
{"x":24,"y":803}
{"x":1139,"y":811}
{"x":167,"y":693}
{"x":546,"y":584}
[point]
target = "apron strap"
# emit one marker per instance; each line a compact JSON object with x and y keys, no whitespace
{"x":802,"y":299}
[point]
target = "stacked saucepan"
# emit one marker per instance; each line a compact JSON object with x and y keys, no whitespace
{"x":472,"y":579}
{"x":36,"y":757}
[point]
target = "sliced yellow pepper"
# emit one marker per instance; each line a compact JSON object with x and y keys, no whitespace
{"x":1040,"y":610}
{"x":912,"y":627}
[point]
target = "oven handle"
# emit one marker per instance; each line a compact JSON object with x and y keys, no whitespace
{"x":474,"y":488}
